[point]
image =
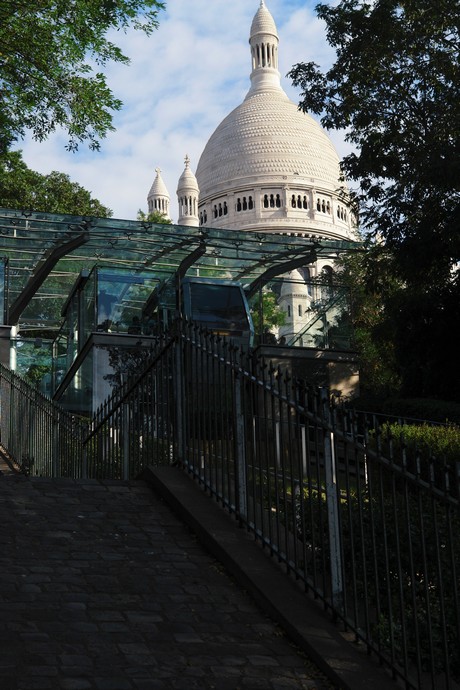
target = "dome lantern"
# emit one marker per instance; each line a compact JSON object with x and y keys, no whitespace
{"x":264,"y":42}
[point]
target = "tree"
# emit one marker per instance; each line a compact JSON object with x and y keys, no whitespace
{"x":372,"y":285}
{"x":153,"y":217}
{"x":21,"y":187}
{"x":46,"y":76}
{"x":394,"y":89}
{"x":266,"y":315}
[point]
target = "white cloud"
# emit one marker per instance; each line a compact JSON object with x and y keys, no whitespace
{"x":182,"y":81}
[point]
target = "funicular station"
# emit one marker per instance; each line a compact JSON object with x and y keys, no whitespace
{"x":191,"y":350}
{"x":76,"y":291}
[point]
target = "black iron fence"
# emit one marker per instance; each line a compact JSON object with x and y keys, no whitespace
{"x":39,"y":436}
{"x":370,"y":526}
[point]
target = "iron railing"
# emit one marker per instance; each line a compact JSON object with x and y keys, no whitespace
{"x":369,"y":526}
{"x":41,"y":437}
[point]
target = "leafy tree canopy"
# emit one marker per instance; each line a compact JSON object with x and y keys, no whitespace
{"x":23,"y":188}
{"x":394,"y":89}
{"x":153,"y":217}
{"x":47,"y":52}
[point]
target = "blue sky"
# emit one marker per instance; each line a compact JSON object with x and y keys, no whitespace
{"x":182,"y":81}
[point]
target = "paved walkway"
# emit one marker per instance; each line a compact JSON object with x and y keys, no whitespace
{"x":102,"y":586}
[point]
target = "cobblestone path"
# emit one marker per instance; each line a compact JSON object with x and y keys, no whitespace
{"x":102,"y":587}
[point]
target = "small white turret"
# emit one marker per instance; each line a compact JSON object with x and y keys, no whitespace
{"x":158,"y":198}
{"x":187,"y":197}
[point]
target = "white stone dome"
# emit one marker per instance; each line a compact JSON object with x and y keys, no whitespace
{"x":267,"y":138}
{"x":268,"y":166}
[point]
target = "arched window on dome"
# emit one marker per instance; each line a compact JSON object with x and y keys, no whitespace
{"x":225,"y":208}
{"x":238,"y":205}
{"x":300,"y":309}
{"x":265,"y":200}
{"x":327,"y":273}
{"x":215,"y":211}
{"x":341,"y":213}
{"x":318,"y":204}
{"x":305,"y":202}
{"x":293,"y":201}
{"x":323,"y":206}
{"x":328,"y":207}
{"x":250,"y":203}
{"x":272,"y":201}
{"x":289,"y":310}
{"x":220,"y":210}
{"x":299,"y":201}
{"x":278,"y":201}
{"x":245,"y":204}
{"x":205,"y":216}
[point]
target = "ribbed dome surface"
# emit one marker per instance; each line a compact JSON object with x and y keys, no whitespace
{"x":263,"y":22}
{"x":264,"y":139}
{"x":158,"y":187}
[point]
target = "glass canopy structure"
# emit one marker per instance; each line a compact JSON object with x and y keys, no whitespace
{"x":45,"y":257}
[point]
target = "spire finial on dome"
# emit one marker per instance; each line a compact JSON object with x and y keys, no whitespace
{"x":187,"y":160}
{"x":264,"y":42}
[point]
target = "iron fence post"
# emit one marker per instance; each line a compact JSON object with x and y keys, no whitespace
{"x":178,"y":373}
{"x":332,"y":501}
{"x":125,"y":426}
{"x":84,"y":461}
{"x":55,"y":442}
{"x":240,"y":450}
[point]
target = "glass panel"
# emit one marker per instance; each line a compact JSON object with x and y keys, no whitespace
{"x":88,"y":314}
{"x":121,"y":298}
{"x":34,"y":361}
{"x":218,"y":306}
{"x":308,"y":313}
{"x":78,"y":396}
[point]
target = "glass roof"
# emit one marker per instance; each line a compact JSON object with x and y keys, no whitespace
{"x":46,"y":252}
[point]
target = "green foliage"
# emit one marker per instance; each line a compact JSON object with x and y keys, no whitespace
{"x":394,"y":88}
{"x":371,"y":284}
{"x":46,"y":77}
{"x":23,"y":188}
{"x":35,"y":373}
{"x":266,"y":313}
{"x":153,"y":217}
{"x":426,"y":439}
